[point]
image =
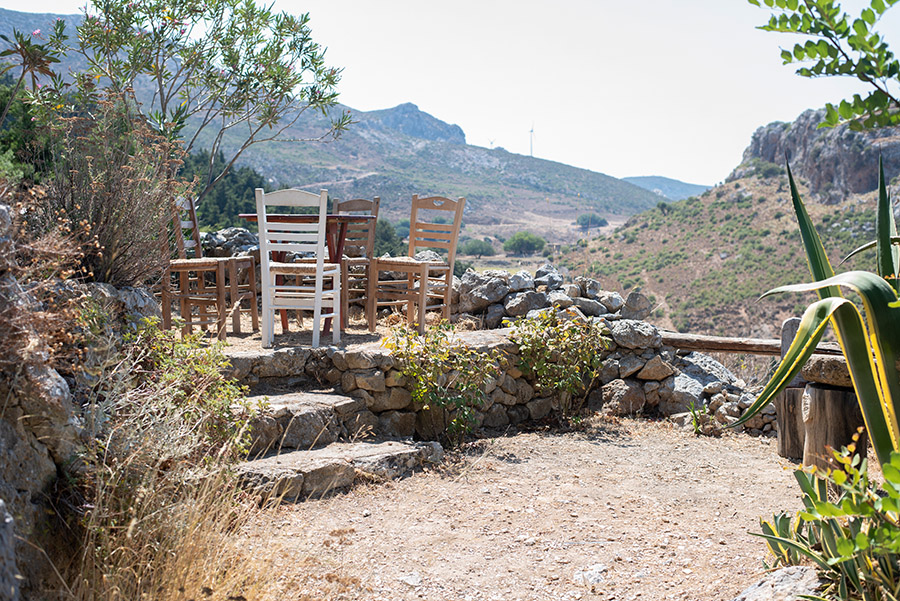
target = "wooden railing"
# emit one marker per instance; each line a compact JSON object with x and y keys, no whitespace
{"x":725,"y":344}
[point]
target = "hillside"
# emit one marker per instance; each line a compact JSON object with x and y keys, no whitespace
{"x":705,"y":261}
{"x":400,"y":151}
{"x":672,"y":189}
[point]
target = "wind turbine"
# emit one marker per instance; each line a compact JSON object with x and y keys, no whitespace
{"x":531,"y":140}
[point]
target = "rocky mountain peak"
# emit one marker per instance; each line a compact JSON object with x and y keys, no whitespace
{"x":834,"y":161}
{"x":408,"y":119}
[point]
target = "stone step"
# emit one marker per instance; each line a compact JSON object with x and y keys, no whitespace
{"x":306,"y":420}
{"x":300,"y":474}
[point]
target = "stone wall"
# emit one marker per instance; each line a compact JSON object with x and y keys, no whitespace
{"x":640,"y":376}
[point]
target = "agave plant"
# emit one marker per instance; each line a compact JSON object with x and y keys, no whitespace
{"x":870,"y":339}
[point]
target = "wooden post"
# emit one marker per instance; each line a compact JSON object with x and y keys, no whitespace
{"x":831,"y":416}
{"x":791,"y":433}
{"x":789,"y":329}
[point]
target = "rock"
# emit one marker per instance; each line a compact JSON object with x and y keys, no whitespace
{"x":637,"y":306}
{"x":827,"y":369}
{"x":705,"y":369}
{"x":609,"y":370}
{"x":477,"y":291}
{"x":372,"y":380}
{"x":785,"y":584}
{"x":493,"y":315}
{"x":539,"y":408}
{"x":348,"y":382}
{"x":395,"y":398}
{"x":394,"y":378}
{"x":495,"y":417}
{"x":547,"y":275}
{"x":397,"y":424}
{"x":635,"y":334}
{"x":521,"y":281}
{"x":524,"y":392}
{"x":589,"y":307}
{"x":629,"y":364}
{"x":590,"y":288}
{"x":622,"y":397}
{"x":656,"y":369}
{"x":9,"y":573}
{"x":591,"y":575}
{"x":520,"y":303}
{"x":359,"y":360}
{"x":687,"y":390}
{"x":571,"y":290}
{"x":518,"y":414}
{"x":613,"y":301}
{"x":503,"y":398}
{"x":559,"y":299}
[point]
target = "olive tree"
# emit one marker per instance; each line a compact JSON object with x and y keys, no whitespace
{"x":839,"y":44}
{"x":223,"y":75}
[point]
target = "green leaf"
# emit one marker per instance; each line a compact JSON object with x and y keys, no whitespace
{"x":887,"y":255}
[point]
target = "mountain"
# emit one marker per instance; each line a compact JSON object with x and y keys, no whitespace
{"x":706,"y":260}
{"x":672,"y":189}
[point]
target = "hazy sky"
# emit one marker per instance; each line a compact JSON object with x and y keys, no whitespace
{"x":621,"y":87}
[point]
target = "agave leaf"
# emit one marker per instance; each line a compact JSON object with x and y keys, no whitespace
{"x":887,"y":255}
{"x":895,"y":240}
{"x":871,"y":350}
{"x":812,"y":326}
{"x":819,"y":266}
{"x":802,"y":549}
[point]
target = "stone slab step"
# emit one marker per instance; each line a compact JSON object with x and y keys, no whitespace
{"x":300,"y":474}
{"x":305,"y":420}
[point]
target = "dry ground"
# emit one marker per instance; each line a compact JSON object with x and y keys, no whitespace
{"x":653,"y":512}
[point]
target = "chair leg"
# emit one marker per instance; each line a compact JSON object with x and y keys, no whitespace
{"x":345,"y":293}
{"x":235,"y":299}
{"x":448,"y":284}
{"x":185,"y":306}
{"x":372,"y":295}
{"x":221,"y":303}
{"x":254,"y":296}
{"x":268,"y":313}
{"x":410,"y":298}
{"x":338,"y":301}
{"x":423,"y":297}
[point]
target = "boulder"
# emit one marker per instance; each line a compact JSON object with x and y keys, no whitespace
{"x":629,"y":364}
{"x":9,"y":574}
{"x":589,"y":307}
{"x":687,"y":391}
{"x":560,"y":299}
{"x":493,"y":315}
{"x":785,"y":584}
{"x":622,"y":397}
{"x":613,"y":301}
{"x":477,"y":291}
{"x":633,"y":334}
{"x":590,"y":288}
{"x":571,"y":290}
{"x":495,"y":417}
{"x":397,"y":424}
{"x":637,"y":306}
{"x":827,"y":369}
{"x":705,"y":369}
{"x":521,"y":280}
{"x":656,"y":369}
{"x":547,"y":275}
{"x":520,"y":303}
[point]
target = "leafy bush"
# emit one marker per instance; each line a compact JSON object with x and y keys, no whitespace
{"x":232,"y":195}
{"x":851,"y":535}
{"x":477,"y":248}
{"x":562,"y":355}
{"x":524,"y":243}
{"x":445,"y":375}
{"x":589,"y":220}
{"x":387,"y":241}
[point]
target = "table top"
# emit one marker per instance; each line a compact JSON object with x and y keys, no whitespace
{"x":308,"y":217}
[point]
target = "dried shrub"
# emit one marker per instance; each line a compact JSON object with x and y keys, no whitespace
{"x":111,"y":190}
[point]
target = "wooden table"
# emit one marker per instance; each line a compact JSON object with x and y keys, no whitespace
{"x":335,"y":235}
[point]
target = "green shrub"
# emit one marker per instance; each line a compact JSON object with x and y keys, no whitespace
{"x":524,"y":243}
{"x":445,"y":376}
{"x":477,"y":248}
{"x":851,"y":535}
{"x":562,"y":355}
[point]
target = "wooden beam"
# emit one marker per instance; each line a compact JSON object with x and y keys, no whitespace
{"x":721,"y":344}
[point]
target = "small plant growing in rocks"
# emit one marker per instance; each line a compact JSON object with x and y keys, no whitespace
{"x":562,"y":355}
{"x":444,"y":374}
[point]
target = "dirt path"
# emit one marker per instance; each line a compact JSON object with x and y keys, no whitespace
{"x":648,"y":511}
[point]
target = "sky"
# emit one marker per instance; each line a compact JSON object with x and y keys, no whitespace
{"x":625,"y":88}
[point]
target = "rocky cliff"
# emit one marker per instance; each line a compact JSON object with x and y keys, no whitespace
{"x":835,"y":162}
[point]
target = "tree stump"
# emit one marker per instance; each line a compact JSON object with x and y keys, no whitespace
{"x":831,"y":416}
{"x":791,"y":432}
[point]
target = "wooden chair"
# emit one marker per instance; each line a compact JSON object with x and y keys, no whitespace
{"x":359,"y":248}
{"x":192,"y":290}
{"x":426,"y":281}
{"x":281,"y":237}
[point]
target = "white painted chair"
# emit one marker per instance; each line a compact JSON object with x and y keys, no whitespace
{"x":291,"y":234}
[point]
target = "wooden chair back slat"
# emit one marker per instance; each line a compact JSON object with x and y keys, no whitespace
{"x":425,"y":235}
{"x":291,"y":237}
{"x":360,"y":238}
